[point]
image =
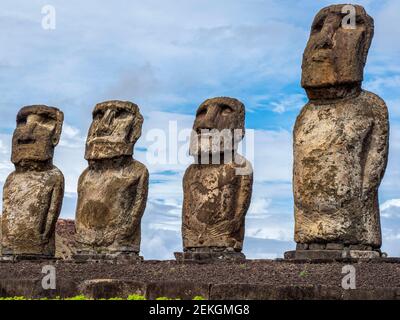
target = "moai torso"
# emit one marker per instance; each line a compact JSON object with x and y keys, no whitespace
{"x":33,"y":193}
{"x":112,"y":191}
{"x":215,"y":205}
{"x":340,"y":139}
{"x":340,"y":152}
{"x":110,"y":207}
{"x":216,"y":194}
{"x":27,"y":199}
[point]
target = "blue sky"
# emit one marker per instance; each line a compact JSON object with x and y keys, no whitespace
{"x":169,"y":56}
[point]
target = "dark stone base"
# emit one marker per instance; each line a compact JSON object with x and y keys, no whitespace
{"x":184,"y":290}
{"x":259,"y":280}
{"x":131,"y":257}
{"x":332,"y":254}
{"x":16,"y":258}
{"x":207,"y":255}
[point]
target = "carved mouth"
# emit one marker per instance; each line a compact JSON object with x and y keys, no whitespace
{"x":205,"y":135}
{"x":322,"y":56}
{"x":106,"y":140}
{"x":26,"y":141}
{"x":99,"y":139}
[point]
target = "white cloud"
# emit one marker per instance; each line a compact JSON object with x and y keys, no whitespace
{"x":69,"y":157}
{"x":3,"y":148}
{"x":267,"y":231}
{"x":259,"y":207}
{"x":380,"y":84}
{"x":390,"y":203}
{"x":273,"y":155}
{"x":390,"y":208}
{"x":387,"y":29}
{"x":168,"y":57}
{"x":289,"y":103}
{"x":6,"y":167}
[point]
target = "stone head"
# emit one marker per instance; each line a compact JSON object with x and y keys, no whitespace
{"x":335,"y":54}
{"x":218,"y":115}
{"x":115,"y":128}
{"x":37,"y":133}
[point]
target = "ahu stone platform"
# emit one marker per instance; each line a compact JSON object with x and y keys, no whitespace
{"x":250,"y":279}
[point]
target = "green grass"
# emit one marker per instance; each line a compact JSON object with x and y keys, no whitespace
{"x":303,"y":274}
{"x":136,"y":297}
{"x":13,"y":298}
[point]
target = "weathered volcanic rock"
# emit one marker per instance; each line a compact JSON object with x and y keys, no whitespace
{"x":340,"y":139}
{"x":216,"y":193}
{"x":65,"y":239}
{"x":227,"y":280}
{"x":33,"y":193}
{"x":112,"y":191}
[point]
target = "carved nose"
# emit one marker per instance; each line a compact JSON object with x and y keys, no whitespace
{"x":27,"y":136}
{"x":104,"y":127}
{"x":204,"y":127}
{"x":209,"y":120}
{"x":327,"y":33}
{"x":325,"y":41}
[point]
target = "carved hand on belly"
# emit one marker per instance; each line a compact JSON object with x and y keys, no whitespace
{"x":96,"y":215}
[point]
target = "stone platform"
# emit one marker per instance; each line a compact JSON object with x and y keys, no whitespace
{"x":117,"y":258}
{"x":333,"y":251}
{"x":249,"y":279}
{"x":206,"y":255}
{"x":36,"y":258}
{"x":331,"y":254}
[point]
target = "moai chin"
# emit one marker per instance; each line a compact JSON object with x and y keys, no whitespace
{"x":112,"y":191}
{"x":218,"y":186}
{"x":33,"y":193}
{"x":340,"y":144}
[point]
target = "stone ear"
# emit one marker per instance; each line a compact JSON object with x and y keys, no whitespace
{"x":136,"y":130}
{"x":370,"y":34}
{"x":58,"y":129}
{"x":238,"y":136}
{"x":243,"y":133}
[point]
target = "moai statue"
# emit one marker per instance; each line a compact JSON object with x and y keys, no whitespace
{"x":218,"y":186}
{"x":340,"y":142}
{"x":33,"y":193}
{"x":112,"y":191}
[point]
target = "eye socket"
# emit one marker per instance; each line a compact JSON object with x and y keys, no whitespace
{"x":98,"y":115}
{"x":201,"y":111}
{"x":45,"y":120}
{"x":21,"y":121}
{"x":318,"y":25}
{"x":121,"y":113}
{"x":226,"y":109}
{"x":359,"y":20}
